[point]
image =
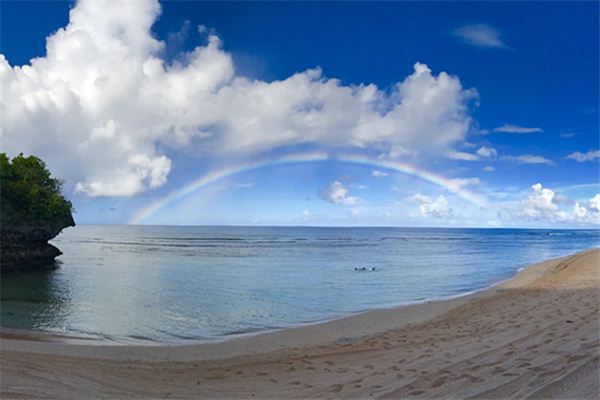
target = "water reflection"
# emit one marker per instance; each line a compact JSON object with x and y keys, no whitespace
{"x":37,"y":293}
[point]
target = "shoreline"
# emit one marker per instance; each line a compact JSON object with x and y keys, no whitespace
{"x":535,"y":334}
{"x":429,"y":308}
{"x":98,"y":340}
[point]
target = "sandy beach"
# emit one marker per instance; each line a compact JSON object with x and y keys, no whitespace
{"x":534,"y":336}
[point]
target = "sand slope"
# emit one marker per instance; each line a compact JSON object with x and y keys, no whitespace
{"x":536,"y":336}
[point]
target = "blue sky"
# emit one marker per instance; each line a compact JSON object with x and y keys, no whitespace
{"x":131,"y":103}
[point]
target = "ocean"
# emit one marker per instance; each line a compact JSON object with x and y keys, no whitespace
{"x":174,"y":284}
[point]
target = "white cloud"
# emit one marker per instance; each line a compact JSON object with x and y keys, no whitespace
{"x":460,"y":182}
{"x":103,"y":107}
{"x":591,"y":155}
{"x":510,"y":128}
{"x":488,"y":168}
{"x":337,"y":193}
{"x":566,"y":135}
{"x":587,"y":213}
{"x":430,"y":207}
{"x":306,"y":214}
{"x":140,"y":171}
{"x":543,"y":204}
{"x":379,"y":174}
{"x":487,"y":152}
{"x":481,"y":35}
{"x":595,"y":202}
{"x":462,"y":156}
{"x":527,"y":159}
{"x":540,"y":203}
{"x":244,"y":185}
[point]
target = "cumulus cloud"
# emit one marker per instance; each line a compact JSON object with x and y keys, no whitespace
{"x":104,"y":106}
{"x":591,"y":155}
{"x":487,"y":152}
{"x":379,"y":174}
{"x":337,"y":193}
{"x":430,"y":207}
{"x":540,"y":203}
{"x":481,"y":35}
{"x":595,"y":202}
{"x":488,"y":168}
{"x":544,"y":204}
{"x":527,"y":159}
{"x":510,"y":128}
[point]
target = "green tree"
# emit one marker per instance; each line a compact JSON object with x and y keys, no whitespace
{"x":26,"y":187}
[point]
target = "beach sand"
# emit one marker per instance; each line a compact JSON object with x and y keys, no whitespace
{"x":535,"y":336}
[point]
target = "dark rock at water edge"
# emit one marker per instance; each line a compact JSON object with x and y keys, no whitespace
{"x":24,"y":243}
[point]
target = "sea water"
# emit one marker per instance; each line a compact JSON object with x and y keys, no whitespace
{"x":146,"y":284}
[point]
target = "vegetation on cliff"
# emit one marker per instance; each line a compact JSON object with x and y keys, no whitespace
{"x":26,"y":184}
{"x":33,"y":211}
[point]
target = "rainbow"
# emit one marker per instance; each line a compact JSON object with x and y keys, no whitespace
{"x":144,"y":213}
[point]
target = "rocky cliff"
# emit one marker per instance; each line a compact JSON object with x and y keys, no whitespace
{"x":32,"y":211}
{"x":24,"y":240}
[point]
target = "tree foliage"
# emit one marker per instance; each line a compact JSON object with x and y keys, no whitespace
{"x":27,"y":187}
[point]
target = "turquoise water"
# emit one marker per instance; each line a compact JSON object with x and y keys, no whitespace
{"x":177,"y":284}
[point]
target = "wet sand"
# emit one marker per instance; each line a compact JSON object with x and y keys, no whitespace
{"x":535,"y":336}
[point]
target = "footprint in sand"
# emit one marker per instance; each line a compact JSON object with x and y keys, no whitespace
{"x":439,"y":382}
{"x":571,"y":359}
{"x":523,"y":365}
{"x":336,"y":388}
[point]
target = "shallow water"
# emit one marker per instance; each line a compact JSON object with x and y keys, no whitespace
{"x":176,"y":284}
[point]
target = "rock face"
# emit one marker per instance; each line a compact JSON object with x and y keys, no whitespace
{"x":25,"y":240}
